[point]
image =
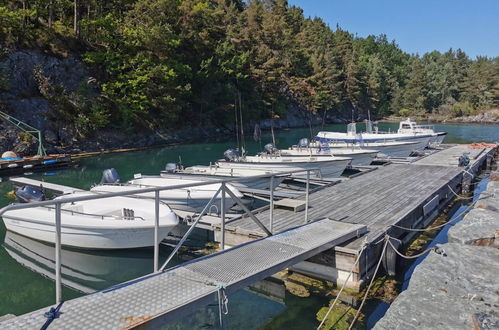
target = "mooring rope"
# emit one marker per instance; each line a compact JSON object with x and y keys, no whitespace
{"x":410,"y":257}
{"x":51,"y":315}
{"x":364,"y":245}
{"x":223,"y":308}
{"x":371,"y":283}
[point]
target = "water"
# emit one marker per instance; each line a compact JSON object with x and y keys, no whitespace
{"x":26,"y":265}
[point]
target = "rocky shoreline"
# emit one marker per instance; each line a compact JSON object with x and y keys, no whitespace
{"x":21,"y":97}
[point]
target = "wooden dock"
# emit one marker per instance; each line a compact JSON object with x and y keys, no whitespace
{"x":408,"y":195}
{"x":153,"y":300}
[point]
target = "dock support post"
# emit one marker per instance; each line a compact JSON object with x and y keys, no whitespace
{"x":156,"y":230}
{"x":271,"y":204}
{"x":222,"y":215}
{"x":307,"y":196}
{"x":58,"y":293}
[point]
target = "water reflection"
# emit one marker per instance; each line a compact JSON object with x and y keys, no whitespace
{"x":84,"y":271}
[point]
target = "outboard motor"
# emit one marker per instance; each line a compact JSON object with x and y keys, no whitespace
{"x":303,"y":143}
{"x":29,"y":194}
{"x":172,"y":168}
{"x":270,"y":148}
{"x":110,"y":175}
{"x":231,"y":155}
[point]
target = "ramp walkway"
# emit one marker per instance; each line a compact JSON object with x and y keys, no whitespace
{"x":155,"y":299}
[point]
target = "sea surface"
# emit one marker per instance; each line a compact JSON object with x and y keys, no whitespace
{"x":26,"y":266}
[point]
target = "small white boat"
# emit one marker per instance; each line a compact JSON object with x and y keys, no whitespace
{"x":352,"y":137}
{"x":109,"y":223}
{"x":191,"y":199}
{"x":409,"y":126}
{"x":215,"y":172}
{"x":385,"y":149}
{"x":330,"y":167}
{"x":305,"y":149}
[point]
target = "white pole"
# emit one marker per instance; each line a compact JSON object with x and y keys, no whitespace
{"x":58,"y":293}
{"x":222,"y":206}
{"x":156,"y":231}
{"x":306,"y":196}
{"x":272,"y":204}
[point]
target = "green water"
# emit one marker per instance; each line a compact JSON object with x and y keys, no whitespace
{"x":23,"y":288}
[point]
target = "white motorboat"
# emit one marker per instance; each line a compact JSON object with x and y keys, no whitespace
{"x":305,"y":149}
{"x":191,"y":199}
{"x":328,"y":167}
{"x":108,"y":223}
{"x":409,"y":126}
{"x":215,"y":172}
{"x":385,"y":149}
{"x":352,"y":137}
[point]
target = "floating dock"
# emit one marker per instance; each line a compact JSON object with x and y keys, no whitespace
{"x":155,"y":299}
{"x":407,"y":195}
{"x":33,"y":164}
{"x":456,"y":289}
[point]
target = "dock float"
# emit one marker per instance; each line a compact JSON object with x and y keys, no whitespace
{"x":156,"y":299}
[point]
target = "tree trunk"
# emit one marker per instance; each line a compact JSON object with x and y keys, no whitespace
{"x":76,"y":26}
{"x":51,"y":13}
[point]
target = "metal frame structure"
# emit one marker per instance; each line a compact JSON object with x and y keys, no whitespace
{"x":223,"y":189}
{"x":27,"y":129}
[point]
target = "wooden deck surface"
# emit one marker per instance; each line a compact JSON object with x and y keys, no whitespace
{"x":377,"y":199}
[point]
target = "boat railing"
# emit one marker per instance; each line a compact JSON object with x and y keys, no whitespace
{"x":102,"y":216}
{"x":223,"y":190}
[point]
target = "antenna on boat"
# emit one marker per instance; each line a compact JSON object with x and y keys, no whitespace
{"x":243,"y":144}
{"x":272,"y":125}
{"x":236,"y":116}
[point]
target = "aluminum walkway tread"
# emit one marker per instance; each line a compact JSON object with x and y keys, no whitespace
{"x":161,"y":297}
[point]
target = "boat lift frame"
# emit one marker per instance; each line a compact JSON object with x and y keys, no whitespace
{"x":223,"y":190}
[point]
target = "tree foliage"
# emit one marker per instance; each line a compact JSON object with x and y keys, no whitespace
{"x":162,"y":63}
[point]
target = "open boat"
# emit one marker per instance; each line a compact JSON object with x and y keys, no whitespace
{"x":328,"y":167}
{"x":306,"y":149}
{"x":215,"y":172}
{"x":191,"y":199}
{"x":109,"y":223}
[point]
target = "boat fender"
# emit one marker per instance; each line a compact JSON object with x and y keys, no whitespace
{"x":390,"y":259}
{"x":110,"y":175}
{"x":27,"y":194}
{"x":231,"y":155}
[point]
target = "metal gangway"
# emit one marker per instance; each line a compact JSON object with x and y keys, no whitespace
{"x":166,"y":293}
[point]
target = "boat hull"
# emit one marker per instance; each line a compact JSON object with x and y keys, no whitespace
{"x":86,"y":238}
{"x":422,"y":141}
{"x":359,"y":157}
{"x":327,"y":169}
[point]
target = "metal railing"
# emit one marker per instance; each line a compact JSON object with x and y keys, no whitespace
{"x":223,"y":190}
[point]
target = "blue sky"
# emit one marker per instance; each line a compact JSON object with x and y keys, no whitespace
{"x":417,"y":26}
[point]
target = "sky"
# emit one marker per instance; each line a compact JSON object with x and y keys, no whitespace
{"x":418,"y":26}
